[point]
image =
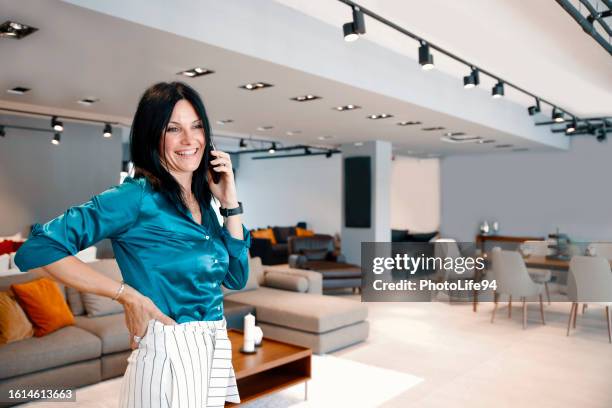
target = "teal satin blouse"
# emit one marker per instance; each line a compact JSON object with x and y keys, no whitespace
{"x":161,"y":251}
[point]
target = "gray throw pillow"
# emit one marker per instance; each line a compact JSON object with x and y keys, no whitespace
{"x":96,"y":305}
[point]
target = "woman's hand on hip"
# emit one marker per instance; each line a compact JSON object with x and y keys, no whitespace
{"x":139,"y":309}
{"x":225,"y":191}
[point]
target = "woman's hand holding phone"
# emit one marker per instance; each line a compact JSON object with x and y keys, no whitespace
{"x":220,"y":164}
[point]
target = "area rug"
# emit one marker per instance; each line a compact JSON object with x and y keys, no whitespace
{"x":336,"y":382}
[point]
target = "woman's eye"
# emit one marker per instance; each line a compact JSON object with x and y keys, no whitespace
{"x":172,"y":129}
{"x":198,"y":126}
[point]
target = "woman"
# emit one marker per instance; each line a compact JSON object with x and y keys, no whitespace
{"x":172,"y":252}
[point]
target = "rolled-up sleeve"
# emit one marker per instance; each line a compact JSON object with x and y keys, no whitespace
{"x":106,"y":215}
{"x":238,"y":250}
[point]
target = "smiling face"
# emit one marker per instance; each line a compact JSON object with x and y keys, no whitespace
{"x":182,"y":146}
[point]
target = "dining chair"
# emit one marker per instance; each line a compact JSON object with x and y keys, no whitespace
{"x":590,"y":281}
{"x":512,"y":278}
{"x":448,"y":248}
{"x":539,"y":248}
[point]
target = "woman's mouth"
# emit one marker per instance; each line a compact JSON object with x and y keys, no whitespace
{"x":187,"y":152}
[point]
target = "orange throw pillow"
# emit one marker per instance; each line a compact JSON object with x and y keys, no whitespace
{"x":14,"y":324}
{"x":303,"y":232}
{"x":44,"y":304}
{"x":265,"y":234}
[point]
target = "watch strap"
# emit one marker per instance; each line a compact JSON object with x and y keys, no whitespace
{"x":228,"y":212}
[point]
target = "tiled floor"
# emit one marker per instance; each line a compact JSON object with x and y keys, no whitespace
{"x":467,"y":361}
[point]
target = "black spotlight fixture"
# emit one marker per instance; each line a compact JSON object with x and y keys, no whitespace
{"x":571,"y":127}
{"x":557,"y":115}
{"x":56,"y":139}
{"x":354,"y":29}
{"x":272,"y":148}
{"x":13,"y":29}
{"x":108,"y":130}
{"x":472,"y":80}
{"x":2,"y":131}
{"x":328,"y":154}
{"x":498,"y":90}
{"x":56,"y":124}
{"x":425,"y":57}
{"x":535,"y":108}
{"x":307,"y":150}
{"x":602,"y":136}
{"x":242,"y":144}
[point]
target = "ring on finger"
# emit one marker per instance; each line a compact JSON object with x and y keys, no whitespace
{"x":137,"y":339}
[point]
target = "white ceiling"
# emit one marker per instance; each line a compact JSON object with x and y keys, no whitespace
{"x":80,"y":53}
{"x":533,"y":44}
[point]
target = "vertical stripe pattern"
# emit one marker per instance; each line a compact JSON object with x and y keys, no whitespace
{"x":187,"y":365}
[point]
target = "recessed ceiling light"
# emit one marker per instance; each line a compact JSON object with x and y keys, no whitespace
{"x":486,"y":141}
{"x":450,"y":134}
{"x":461,"y":139}
{"x":408,"y":123}
{"x":12,"y":29}
{"x":346,"y":107}
{"x":293,"y":132}
{"x":503,"y":146}
{"x":428,"y":129}
{"x":380,"y":116}
{"x":195,"y":72}
{"x":520,"y":149}
{"x":224,"y":121}
{"x":88,"y":101}
{"x":327,"y":137}
{"x":255,"y":86}
{"x":264,"y":128}
{"x":358,"y":144}
{"x":305,"y":98}
{"x":18,"y":90}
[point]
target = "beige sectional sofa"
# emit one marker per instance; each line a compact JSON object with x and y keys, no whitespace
{"x":288,"y":305}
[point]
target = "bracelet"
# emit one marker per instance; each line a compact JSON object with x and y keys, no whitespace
{"x":119,"y":291}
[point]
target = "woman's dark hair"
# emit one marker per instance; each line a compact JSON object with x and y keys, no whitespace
{"x":149,"y":127}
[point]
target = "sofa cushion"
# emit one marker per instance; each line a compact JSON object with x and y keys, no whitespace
{"x":282,"y":234}
{"x":64,"y":346}
{"x":96,"y":305}
{"x":302,"y":311}
{"x":14,"y":324}
{"x":286,"y":281}
{"x":44,"y":304}
{"x":75,"y":302}
{"x":111,"y":330}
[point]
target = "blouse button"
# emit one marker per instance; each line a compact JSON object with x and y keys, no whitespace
{"x":218,"y":307}
{"x":207,"y":237}
{"x":215,"y":261}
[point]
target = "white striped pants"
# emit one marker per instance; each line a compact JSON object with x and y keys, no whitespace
{"x":188,"y":365}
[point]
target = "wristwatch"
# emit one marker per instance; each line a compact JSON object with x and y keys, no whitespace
{"x":228,"y":212}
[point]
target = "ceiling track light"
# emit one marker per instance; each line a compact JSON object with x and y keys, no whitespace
{"x":2,"y":131}
{"x":498,"y":90}
{"x":242,"y":144}
{"x":425,"y":57}
{"x":56,"y":139}
{"x":472,"y":80}
{"x":352,"y":30}
{"x":272,"y":148}
{"x":56,"y":124}
{"x":15,"y":30}
{"x":535,"y":108}
{"x":557,"y":115}
{"x":108,"y":130}
{"x":571,"y":127}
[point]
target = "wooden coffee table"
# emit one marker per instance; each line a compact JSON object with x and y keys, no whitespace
{"x":275,"y":366}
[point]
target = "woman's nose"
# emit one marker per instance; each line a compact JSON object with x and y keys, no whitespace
{"x":188,"y":136}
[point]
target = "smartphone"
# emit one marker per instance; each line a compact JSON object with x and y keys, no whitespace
{"x":215,"y":175}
